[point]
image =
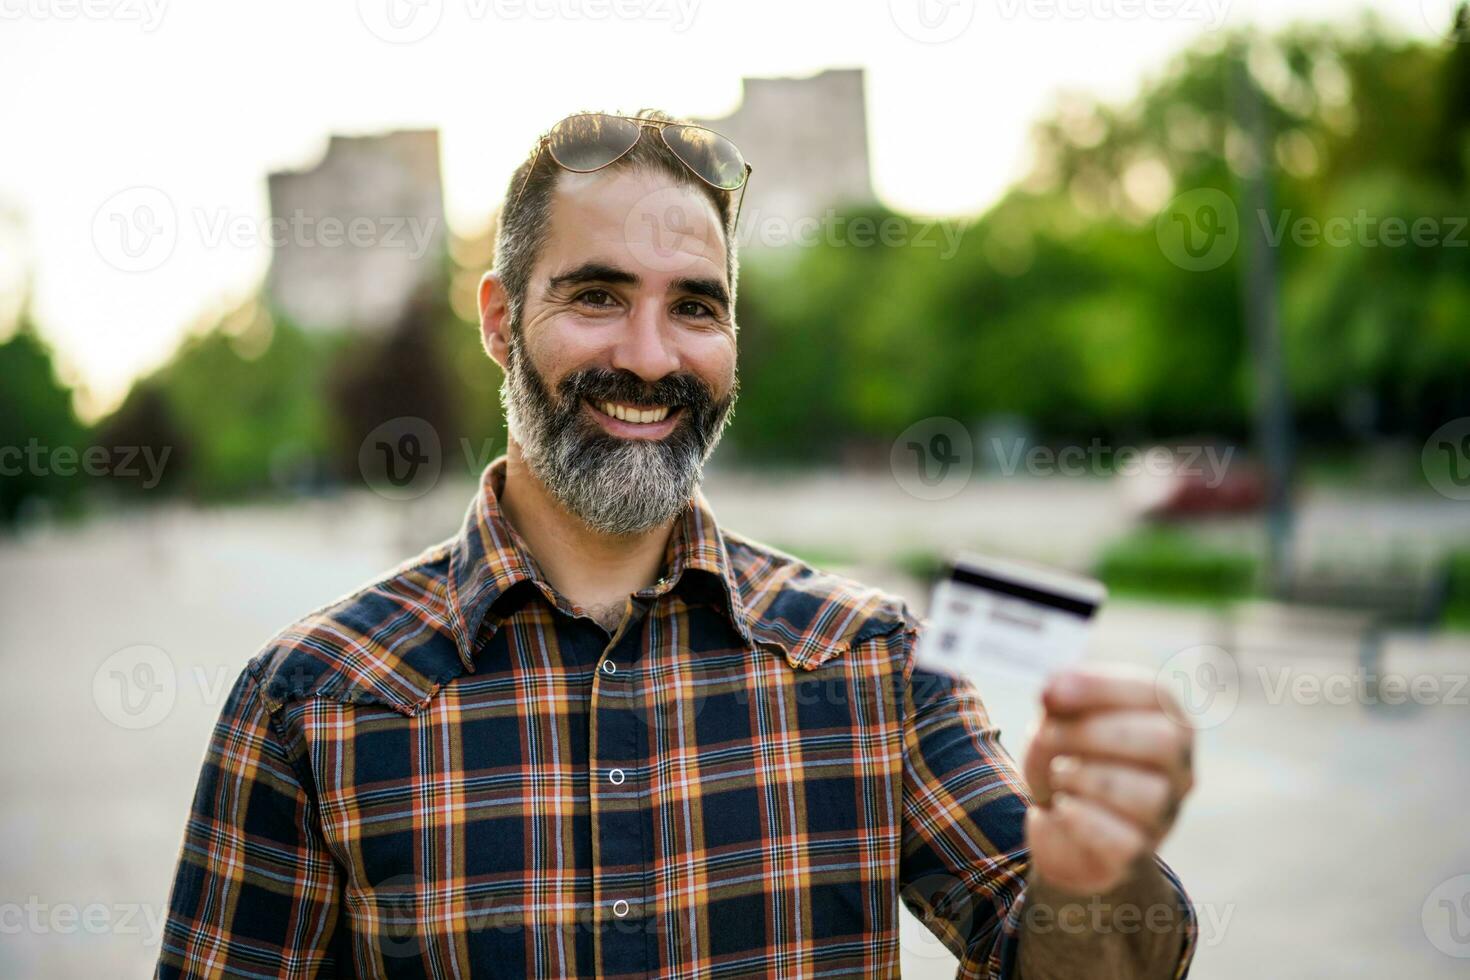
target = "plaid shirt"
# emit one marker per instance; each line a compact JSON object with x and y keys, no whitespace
{"x":453,"y":772}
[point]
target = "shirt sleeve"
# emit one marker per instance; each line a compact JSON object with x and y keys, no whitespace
{"x":256,"y":892}
{"x":964,"y":863}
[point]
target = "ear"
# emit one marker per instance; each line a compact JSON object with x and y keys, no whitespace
{"x":494,"y":319}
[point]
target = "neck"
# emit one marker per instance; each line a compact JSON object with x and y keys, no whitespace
{"x":596,"y":571}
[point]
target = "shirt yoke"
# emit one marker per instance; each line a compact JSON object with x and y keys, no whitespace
{"x":392,"y":643}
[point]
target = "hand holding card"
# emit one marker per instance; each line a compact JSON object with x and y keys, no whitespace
{"x":1108,"y":767}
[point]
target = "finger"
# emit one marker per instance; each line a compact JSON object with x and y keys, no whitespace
{"x":1058,"y":857}
{"x":1082,"y":846}
{"x":1142,"y":796}
{"x":1113,"y":842}
{"x":1096,"y":687}
{"x":1142,"y":738}
{"x":1037,"y":766}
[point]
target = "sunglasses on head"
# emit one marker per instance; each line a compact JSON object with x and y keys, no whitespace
{"x":590,"y":141}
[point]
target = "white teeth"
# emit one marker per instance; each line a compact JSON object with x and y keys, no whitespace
{"x":627,"y":414}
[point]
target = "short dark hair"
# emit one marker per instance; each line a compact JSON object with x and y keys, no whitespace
{"x":524,"y":221}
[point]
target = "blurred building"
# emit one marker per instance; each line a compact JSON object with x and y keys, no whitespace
{"x":356,"y":236}
{"x":807,"y":139}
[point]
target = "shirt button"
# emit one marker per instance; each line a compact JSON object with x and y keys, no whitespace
{"x":620,"y":908}
{"x":608,"y":667}
{"x":616,"y":777}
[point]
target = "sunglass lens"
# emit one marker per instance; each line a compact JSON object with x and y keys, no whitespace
{"x":591,"y":141}
{"x":708,"y":154}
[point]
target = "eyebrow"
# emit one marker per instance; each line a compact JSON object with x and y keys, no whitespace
{"x":594,"y":272}
{"x":601,"y":272}
{"x":708,"y":288}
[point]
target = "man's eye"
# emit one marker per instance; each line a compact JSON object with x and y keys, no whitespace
{"x":596,"y":297}
{"x":693,"y":307}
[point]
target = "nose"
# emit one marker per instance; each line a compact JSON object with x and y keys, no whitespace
{"x":643,"y":347}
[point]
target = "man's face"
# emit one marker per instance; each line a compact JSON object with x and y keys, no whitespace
{"x":621,"y":374}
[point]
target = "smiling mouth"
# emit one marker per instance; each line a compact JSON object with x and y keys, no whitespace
{"x":635,"y":414}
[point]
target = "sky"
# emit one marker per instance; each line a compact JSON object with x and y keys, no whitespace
{"x":184,"y":107}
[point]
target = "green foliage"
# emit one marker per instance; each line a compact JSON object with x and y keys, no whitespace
{"x":1060,"y":305}
{"x":1170,"y":563}
{"x":254,"y":404}
{"x":926,"y":566}
{"x":472,"y":381}
{"x":1457,"y":597}
{"x":36,"y":418}
{"x":239,"y":407}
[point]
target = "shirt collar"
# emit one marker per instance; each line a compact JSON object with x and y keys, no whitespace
{"x":489,"y":557}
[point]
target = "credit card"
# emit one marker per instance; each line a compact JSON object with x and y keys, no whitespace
{"x":994,"y":618}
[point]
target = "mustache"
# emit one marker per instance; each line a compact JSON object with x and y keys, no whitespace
{"x":601,"y":384}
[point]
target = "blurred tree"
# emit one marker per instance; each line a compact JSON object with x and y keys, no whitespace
{"x":146,"y":421}
{"x":241,"y":404}
{"x":400,"y":375}
{"x":251,"y":403}
{"x":1452,"y":140}
{"x":36,"y":418}
{"x":430,"y":366}
{"x":1060,"y":305}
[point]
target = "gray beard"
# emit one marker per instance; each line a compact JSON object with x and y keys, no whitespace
{"x":615,"y":486}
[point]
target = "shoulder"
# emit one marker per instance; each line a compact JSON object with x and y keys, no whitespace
{"x":388,"y":642}
{"x":813,"y":615}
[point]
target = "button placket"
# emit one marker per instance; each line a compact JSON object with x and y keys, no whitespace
{"x":618,"y":811}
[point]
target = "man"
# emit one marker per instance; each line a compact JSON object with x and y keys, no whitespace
{"x":597,"y":734}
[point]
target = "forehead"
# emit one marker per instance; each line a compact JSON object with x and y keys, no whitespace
{"x":645,"y":223}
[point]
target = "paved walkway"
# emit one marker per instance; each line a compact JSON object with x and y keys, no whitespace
{"x":1321,"y":828}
